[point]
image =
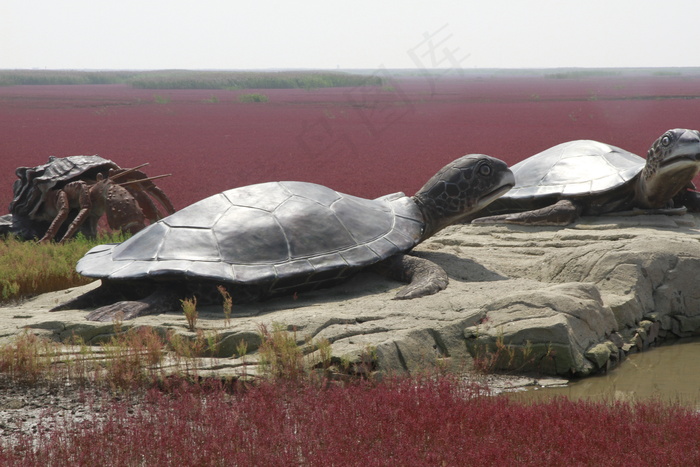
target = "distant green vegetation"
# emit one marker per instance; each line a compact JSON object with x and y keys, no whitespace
{"x":184,"y":79}
{"x":250,"y":80}
{"x":38,"y":77}
{"x":582,"y":73}
{"x":667,"y":73}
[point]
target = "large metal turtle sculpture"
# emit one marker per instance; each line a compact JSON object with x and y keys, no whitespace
{"x":280,"y":238}
{"x":590,"y":178}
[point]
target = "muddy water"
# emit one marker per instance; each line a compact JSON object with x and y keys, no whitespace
{"x":669,"y":373}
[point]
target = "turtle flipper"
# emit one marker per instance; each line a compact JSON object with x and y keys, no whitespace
{"x":102,"y":295}
{"x":120,"y":310}
{"x":424,"y":277}
{"x":688,"y":198}
{"x":692,"y":201}
{"x":649,"y":212}
{"x":563,"y":212}
{"x":163,"y":300}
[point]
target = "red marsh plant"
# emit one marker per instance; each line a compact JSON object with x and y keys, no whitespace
{"x":131,"y":360}
{"x":283,"y":420}
{"x":227,"y":304}
{"x":404,"y":421}
{"x":28,"y":358}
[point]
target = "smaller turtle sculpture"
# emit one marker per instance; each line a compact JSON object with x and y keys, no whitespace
{"x":280,"y":238}
{"x":70,"y":194}
{"x":589,"y":178}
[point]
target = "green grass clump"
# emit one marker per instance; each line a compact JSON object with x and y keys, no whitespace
{"x":253,"y":98}
{"x":158,"y":99}
{"x":189,"y":308}
{"x":45,"y":267}
{"x":280,"y":356}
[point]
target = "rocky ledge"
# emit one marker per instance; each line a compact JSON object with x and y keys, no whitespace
{"x":560,"y":301}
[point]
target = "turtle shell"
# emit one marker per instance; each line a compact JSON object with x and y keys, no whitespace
{"x":34,"y":182}
{"x":262,"y":234}
{"x":574,"y":169}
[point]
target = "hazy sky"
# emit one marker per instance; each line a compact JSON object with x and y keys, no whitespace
{"x":231,"y":34}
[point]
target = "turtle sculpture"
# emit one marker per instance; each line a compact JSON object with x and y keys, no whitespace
{"x":280,"y":238}
{"x":590,"y":178}
{"x":70,"y":194}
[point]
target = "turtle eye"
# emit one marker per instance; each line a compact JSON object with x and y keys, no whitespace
{"x":665,"y":140}
{"x":485,"y":169}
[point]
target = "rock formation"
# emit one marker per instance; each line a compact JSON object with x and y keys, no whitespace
{"x":562,"y":301}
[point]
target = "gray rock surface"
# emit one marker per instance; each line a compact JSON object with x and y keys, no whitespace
{"x":561,"y":301}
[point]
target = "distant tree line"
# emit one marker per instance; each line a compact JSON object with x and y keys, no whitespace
{"x":185,"y":79}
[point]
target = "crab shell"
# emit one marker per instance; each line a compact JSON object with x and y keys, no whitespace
{"x":279,"y":234}
{"x":35,"y":182}
{"x":582,"y":169}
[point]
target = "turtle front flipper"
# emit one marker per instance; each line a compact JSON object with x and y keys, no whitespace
{"x":119,"y":311}
{"x":649,"y":212}
{"x":692,"y":201}
{"x":163,"y":300}
{"x":105,"y":294}
{"x":423,"y":277}
{"x":689,"y":198}
{"x":563,"y":212}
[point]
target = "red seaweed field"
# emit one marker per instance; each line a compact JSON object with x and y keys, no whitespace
{"x":366,"y":141}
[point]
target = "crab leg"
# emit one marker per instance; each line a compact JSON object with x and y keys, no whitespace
{"x":148,"y":207}
{"x":85,"y":206}
{"x":146,"y":202}
{"x":141,"y":187}
{"x":72,"y":190}
{"x":63,"y":207}
{"x":162,"y":198}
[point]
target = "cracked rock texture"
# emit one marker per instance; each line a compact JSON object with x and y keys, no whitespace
{"x":569,"y":301}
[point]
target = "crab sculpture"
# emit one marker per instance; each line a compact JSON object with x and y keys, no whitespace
{"x":70,"y":194}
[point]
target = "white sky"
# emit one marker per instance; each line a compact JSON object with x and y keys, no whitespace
{"x":254,"y":34}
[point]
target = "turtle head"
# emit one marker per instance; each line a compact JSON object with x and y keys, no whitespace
{"x":461,"y":188}
{"x":672,"y":162}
